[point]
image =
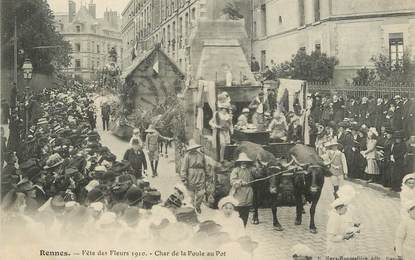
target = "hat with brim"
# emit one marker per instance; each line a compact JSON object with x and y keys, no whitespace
{"x":398,"y":134}
{"x":28,"y":164}
{"x":192,"y":145}
{"x":150,"y":129}
{"x":24,"y":186}
{"x":53,"y":161}
{"x":134,"y":195}
{"x":332,"y":144}
{"x":243,"y":157}
{"x":152,"y":197}
{"x":245,"y":110}
{"x":407,"y":177}
{"x":42,"y":121}
{"x":95,"y":195}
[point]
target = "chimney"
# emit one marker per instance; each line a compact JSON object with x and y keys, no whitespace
{"x":92,"y":9}
{"x":71,"y":10}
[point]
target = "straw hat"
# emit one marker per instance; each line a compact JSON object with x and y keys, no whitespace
{"x":243,"y":157}
{"x":193,"y":145}
{"x":245,"y":110}
{"x":53,"y":161}
{"x":150,"y":129}
{"x":331,"y":144}
{"x":408,"y":177}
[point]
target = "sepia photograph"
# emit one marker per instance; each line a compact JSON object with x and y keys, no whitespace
{"x":207,"y":129}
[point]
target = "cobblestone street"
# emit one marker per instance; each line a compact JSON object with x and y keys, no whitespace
{"x":379,"y":215}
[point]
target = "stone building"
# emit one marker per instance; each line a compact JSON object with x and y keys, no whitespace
{"x":171,"y":23}
{"x":353,"y":30}
{"x":91,"y":38}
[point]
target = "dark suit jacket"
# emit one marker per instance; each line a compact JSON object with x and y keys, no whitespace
{"x":136,"y":159}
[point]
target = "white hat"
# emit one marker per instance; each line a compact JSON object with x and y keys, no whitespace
{"x":71,"y":204}
{"x":98,"y":206}
{"x":302,"y":250}
{"x":193,"y":145}
{"x":245,"y":110}
{"x":226,"y":200}
{"x":243,"y":157}
{"x":91,"y":185}
{"x":100,"y":168}
{"x":408,"y":177}
{"x":136,"y":131}
{"x":339,"y":202}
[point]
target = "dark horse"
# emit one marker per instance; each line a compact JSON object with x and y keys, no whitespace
{"x":303,"y":178}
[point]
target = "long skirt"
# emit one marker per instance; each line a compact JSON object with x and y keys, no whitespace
{"x":372,"y":167}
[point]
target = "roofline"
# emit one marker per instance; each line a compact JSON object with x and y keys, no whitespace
{"x":126,"y":7}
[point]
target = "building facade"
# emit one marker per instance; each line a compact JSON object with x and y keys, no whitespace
{"x":91,"y":39}
{"x":353,"y":31}
{"x":172,"y":23}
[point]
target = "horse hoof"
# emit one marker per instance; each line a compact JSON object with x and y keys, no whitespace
{"x":278,"y":227}
{"x":298,"y":222}
{"x":313,"y":230}
{"x":255,"y":222}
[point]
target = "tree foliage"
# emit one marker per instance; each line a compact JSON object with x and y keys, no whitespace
{"x":316,"y":66}
{"x":385,"y":71}
{"x":34,"y":28}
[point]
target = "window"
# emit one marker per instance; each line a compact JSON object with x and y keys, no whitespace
{"x":280,"y":19}
{"x":78,"y":28}
{"x":77,"y":64}
{"x":396,"y":48}
{"x":316,"y":10}
{"x":98,"y":48}
{"x":193,"y":14}
{"x":301,"y":12}
{"x":78,"y":47}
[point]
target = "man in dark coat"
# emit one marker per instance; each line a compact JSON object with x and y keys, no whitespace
{"x":408,"y":117}
{"x":397,"y":123}
{"x":137,"y":159}
{"x":92,"y":118}
{"x":386,"y":170}
{"x":254,"y":65}
{"x":105,"y":113}
{"x":399,"y":149}
{"x":371,"y":112}
{"x":380,"y":114}
{"x":353,"y":109}
{"x":338,"y":109}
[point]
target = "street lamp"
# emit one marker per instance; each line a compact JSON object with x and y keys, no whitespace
{"x":27,"y":75}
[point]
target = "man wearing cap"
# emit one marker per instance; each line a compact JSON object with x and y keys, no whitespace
{"x":243,"y":119}
{"x":137,"y":158}
{"x":193,"y":173}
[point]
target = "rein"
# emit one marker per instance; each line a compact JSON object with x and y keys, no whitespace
{"x":269,"y":177}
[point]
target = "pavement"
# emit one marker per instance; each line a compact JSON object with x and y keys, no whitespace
{"x":378,"y":215}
